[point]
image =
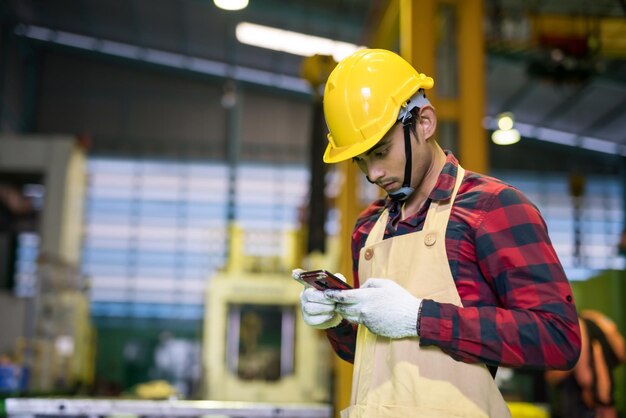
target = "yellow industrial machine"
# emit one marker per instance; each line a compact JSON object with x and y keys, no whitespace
{"x":55,"y":342}
{"x":256,"y":345}
{"x":63,"y":348}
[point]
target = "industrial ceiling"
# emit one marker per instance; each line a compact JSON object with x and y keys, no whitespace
{"x":567,"y":87}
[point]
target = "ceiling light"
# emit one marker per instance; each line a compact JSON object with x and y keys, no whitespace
{"x":505,"y":122}
{"x":231,"y":4}
{"x":292,"y":42}
{"x":506,"y":135}
{"x":509,"y":137}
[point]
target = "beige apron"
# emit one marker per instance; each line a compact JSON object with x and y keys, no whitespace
{"x":397,"y":377}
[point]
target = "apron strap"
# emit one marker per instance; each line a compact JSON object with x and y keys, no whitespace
{"x":432,"y":220}
{"x":439,"y":211}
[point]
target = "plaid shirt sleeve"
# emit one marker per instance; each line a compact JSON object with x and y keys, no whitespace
{"x":343,"y":340}
{"x":534,"y":322}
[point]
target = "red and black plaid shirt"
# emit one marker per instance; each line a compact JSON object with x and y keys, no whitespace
{"x":517,"y":303}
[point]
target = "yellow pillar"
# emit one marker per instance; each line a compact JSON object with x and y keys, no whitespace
{"x":386,"y":32}
{"x":473,"y":142}
{"x":349,"y":210}
{"x":418,"y":45}
{"x":417,"y":34}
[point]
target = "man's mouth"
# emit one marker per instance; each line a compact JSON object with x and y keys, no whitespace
{"x":388,"y":186}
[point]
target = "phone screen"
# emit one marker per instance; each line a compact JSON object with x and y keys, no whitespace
{"x":322,"y":280}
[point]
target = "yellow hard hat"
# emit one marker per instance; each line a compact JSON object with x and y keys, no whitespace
{"x":362,"y":99}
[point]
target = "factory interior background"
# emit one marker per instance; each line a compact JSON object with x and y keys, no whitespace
{"x":161,"y":175}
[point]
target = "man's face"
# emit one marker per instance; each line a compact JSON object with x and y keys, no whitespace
{"x":384,"y":163}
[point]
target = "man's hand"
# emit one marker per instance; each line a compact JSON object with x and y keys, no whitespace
{"x":383,"y":306}
{"x":317,"y":310}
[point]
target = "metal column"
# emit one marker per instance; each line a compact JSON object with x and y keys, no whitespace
{"x":418,"y":45}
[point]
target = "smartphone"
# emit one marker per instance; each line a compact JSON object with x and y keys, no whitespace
{"x":321,"y":280}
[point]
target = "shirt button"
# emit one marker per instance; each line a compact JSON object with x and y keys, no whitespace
{"x":369,"y":253}
{"x":430,"y":239}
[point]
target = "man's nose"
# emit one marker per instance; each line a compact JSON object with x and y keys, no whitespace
{"x":374,"y":172}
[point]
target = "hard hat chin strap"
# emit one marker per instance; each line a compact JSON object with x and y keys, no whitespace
{"x":405,"y":191}
{"x":418,"y":100}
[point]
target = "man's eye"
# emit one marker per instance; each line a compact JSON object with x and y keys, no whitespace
{"x":381,"y":152}
{"x":356,"y":160}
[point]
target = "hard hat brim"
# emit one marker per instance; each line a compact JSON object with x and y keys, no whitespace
{"x":339,"y":154}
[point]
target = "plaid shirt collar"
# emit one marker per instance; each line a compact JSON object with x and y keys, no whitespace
{"x":443,"y":187}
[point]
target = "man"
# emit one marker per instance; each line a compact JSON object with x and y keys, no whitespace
{"x":454,"y":271}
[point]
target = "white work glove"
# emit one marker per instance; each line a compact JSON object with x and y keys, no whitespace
{"x":317,"y":310}
{"x":383,"y":306}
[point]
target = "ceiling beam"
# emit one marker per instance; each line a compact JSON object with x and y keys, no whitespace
{"x":166,"y":59}
{"x":606,"y":118}
{"x":565,"y":105}
{"x":514,"y":99}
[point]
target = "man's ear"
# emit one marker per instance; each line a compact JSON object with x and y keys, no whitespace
{"x":427,"y":121}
